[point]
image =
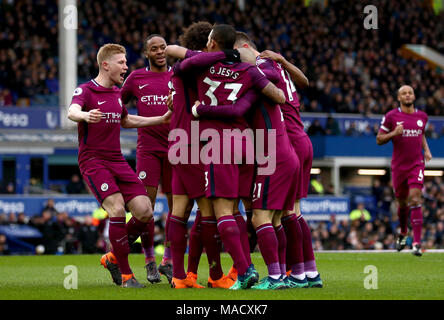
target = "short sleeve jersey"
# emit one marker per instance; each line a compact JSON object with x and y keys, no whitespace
{"x":184,"y":95}
{"x":151,"y":90}
{"x":407,"y":148}
{"x":290,"y":109}
{"x":100,"y":140}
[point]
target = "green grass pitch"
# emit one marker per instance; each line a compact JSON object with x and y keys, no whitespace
{"x":400,"y":276}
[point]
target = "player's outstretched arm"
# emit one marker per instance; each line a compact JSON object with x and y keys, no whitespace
{"x":274,"y":93}
{"x":229,"y":111}
{"x":176,"y":51}
{"x":425,"y":146}
{"x":76,"y":114}
{"x":383,"y":138}
{"x":133,"y":121}
{"x":296,"y":74}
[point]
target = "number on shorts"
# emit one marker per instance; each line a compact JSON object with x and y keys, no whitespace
{"x":258,"y":188}
{"x":206,"y":179}
{"x":420,"y":176}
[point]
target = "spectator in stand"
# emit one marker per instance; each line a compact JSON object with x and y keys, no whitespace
{"x":4,"y":250}
{"x":5,"y":98}
{"x":328,"y":42}
{"x":360,"y":213}
{"x":332,"y":127}
{"x":75,"y":185}
{"x":88,"y":236}
{"x":430,"y":131}
{"x":352,"y":130}
{"x":316,"y":129}
{"x":50,"y":207}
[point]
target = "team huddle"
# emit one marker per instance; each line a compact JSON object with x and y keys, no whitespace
{"x":219,"y":127}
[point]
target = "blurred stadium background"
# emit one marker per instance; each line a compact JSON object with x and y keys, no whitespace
{"x":47,"y":48}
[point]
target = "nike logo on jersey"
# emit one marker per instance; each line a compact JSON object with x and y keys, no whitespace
{"x":100,"y":102}
{"x":399,"y":122}
{"x":143,"y":86}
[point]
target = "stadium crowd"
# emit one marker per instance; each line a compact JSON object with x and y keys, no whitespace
{"x":351,"y":69}
{"x":64,"y":234}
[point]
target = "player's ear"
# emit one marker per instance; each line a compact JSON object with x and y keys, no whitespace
{"x":105,"y":65}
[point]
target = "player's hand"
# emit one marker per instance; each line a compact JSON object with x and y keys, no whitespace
{"x":399,"y":129}
{"x":93,"y":116}
{"x":194,"y":109}
{"x":170,"y":101}
{"x":427,"y":156}
{"x":166,"y":118}
{"x":268,"y":54}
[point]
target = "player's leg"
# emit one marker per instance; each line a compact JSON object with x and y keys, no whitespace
{"x":268,"y":246}
{"x":114,"y":205}
{"x":295,"y":248}
{"x":401,"y":189}
{"x":222,"y":187}
{"x":195,"y":245}
{"x":282,"y":240}
{"x":101,"y":181}
{"x":403,"y":217}
{"x":165,"y":266}
{"x":242,"y":225}
{"x":305,"y":155}
{"x":230,"y":235}
{"x":178,"y":240}
{"x":213,"y":245}
{"x":415,"y":204}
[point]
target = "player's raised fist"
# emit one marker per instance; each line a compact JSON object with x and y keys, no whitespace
{"x":399,"y":129}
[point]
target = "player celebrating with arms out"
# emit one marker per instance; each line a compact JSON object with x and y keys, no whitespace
{"x":97,"y":108}
{"x":405,"y":126}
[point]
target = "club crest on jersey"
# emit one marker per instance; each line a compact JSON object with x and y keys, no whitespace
{"x":142,"y":175}
{"x":104,"y":187}
{"x":419,"y":123}
{"x":77,"y":92}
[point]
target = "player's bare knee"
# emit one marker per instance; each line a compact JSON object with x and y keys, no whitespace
{"x":415,"y":201}
{"x":116,"y":210}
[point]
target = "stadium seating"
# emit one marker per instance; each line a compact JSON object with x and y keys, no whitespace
{"x":351,"y":69}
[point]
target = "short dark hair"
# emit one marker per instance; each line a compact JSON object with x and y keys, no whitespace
{"x":145,"y":44}
{"x":195,"y":37}
{"x":224,"y":35}
{"x":243,"y":37}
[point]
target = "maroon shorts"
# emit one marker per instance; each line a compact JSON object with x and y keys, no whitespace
{"x":189,"y":179}
{"x":304,"y":150}
{"x":222,"y":180}
{"x":153,"y":168}
{"x":246,"y":178}
{"x":278,"y":190}
{"x":403,"y":181}
{"x":108,"y":177}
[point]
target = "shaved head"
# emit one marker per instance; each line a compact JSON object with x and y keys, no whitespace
{"x":405,"y":87}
